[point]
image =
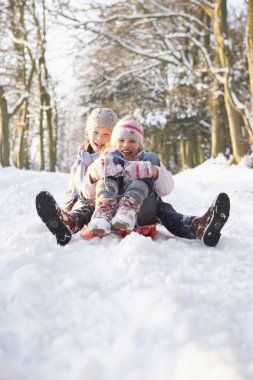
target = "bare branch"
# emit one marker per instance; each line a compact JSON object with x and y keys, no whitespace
{"x":19,"y":104}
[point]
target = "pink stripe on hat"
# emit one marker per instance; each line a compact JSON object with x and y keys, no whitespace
{"x":132,"y":127}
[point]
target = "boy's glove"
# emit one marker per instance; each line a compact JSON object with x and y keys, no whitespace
{"x":105,"y":167}
{"x":138,"y":170}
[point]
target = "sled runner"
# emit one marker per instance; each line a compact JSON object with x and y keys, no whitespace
{"x":149,"y":231}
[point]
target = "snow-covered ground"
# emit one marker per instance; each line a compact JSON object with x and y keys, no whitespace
{"x":128,"y":309}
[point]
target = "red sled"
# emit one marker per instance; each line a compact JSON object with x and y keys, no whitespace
{"x":149,"y":231}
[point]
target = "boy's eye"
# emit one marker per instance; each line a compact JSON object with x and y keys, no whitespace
{"x":95,"y":133}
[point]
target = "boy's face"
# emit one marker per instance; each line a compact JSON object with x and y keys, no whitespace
{"x":128,"y":147}
{"x":99,"y":137}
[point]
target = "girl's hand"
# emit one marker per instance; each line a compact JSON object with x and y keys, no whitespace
{"x":103,"y":167}
{"x":140,"y":170}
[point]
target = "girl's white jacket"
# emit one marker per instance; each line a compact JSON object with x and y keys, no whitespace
{"x":164,"y":184}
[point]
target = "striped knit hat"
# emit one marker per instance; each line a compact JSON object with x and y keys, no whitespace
{"x":128,"y":128}
{"x":101,"y":117}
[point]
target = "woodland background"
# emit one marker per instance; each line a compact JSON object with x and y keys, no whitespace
{"x":183,"y":68}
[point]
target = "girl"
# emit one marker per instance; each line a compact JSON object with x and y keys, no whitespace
{"x":77,"y":211}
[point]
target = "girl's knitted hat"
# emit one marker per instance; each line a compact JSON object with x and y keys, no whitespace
{"x":101,"y":117}
{"x":128,"y":128}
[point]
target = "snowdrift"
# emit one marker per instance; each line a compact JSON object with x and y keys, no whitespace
{"x":131,"y":308}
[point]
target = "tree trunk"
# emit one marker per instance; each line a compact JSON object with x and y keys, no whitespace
{"x":41,"y":141}
{"x":175,"y":153}
{"x":190,"y":151}
{"x":20,"y":156}
{"x":249,"y":44}
{"x":183,"y":154}
{"x":200,"y":144}
{"x":217,"y":109}
{"x":236,"y":127}
{"x":56,"y":133}
{"x":4,"y":131}
{"x":22,"y":151}
{"x":52,"y":162}
{"x":236,"y":131}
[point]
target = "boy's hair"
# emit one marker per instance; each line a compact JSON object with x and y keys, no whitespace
{"x":128,"y":128}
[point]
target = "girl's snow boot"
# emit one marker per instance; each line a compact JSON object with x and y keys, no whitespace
{"x":126,"y":214}
{"x":101,"y":219}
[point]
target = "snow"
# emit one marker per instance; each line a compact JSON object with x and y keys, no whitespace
{"x":132,"y":308}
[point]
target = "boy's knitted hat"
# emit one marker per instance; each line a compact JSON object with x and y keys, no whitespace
{"x":128,"y":128}
{"x":101,"y":117}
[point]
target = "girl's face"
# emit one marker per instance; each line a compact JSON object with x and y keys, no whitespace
{"x":99,"y":137}
{"x":128,"y":147}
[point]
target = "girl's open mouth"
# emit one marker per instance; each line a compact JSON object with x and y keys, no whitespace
{"x":99,"y":146}
{"x":126,"y":153}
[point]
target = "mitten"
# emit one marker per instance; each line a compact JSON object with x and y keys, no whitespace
{"x":110,"y":169}
{"x":138,"y":170}
{"x":101,"y":168}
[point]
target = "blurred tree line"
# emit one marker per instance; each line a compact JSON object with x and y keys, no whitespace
{"x":184,"y":69}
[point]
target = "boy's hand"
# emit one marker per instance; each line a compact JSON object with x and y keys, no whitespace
{"x":139,"y":170}
{"x":103,"y":167}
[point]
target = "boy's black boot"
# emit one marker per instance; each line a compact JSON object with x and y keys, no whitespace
{"x":59,"y":222}
{"x":207,"y":228}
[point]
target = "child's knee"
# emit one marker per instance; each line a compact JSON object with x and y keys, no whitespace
{"x":106,"y":187}
{"x":138,"y":190}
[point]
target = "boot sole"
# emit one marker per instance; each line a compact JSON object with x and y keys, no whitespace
{"x":46,"y":209}
{"x":221,"y":213}
{"x":99,"y":232}
{"x":121,"y":227}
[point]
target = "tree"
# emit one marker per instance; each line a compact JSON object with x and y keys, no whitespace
{"x":249,"y":44}
{"x":175,"y":35}
{"x":155,"y":50}
{"x":44,"y":95}
{"x":26,"y":47}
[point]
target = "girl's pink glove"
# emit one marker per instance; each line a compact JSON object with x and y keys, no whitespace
{"x":138,"y":170}
{"x":104,"y":167}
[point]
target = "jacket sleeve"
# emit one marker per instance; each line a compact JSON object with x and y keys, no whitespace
{"x":78,"y":171}
{"x":70,"y":188}
{"x":88,"y":189}
{"x":164,"y":184}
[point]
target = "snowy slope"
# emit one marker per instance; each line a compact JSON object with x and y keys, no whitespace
{"x":129,"y":309}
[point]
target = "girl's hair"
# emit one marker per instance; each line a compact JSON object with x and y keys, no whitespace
{"x":87,"y":146}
